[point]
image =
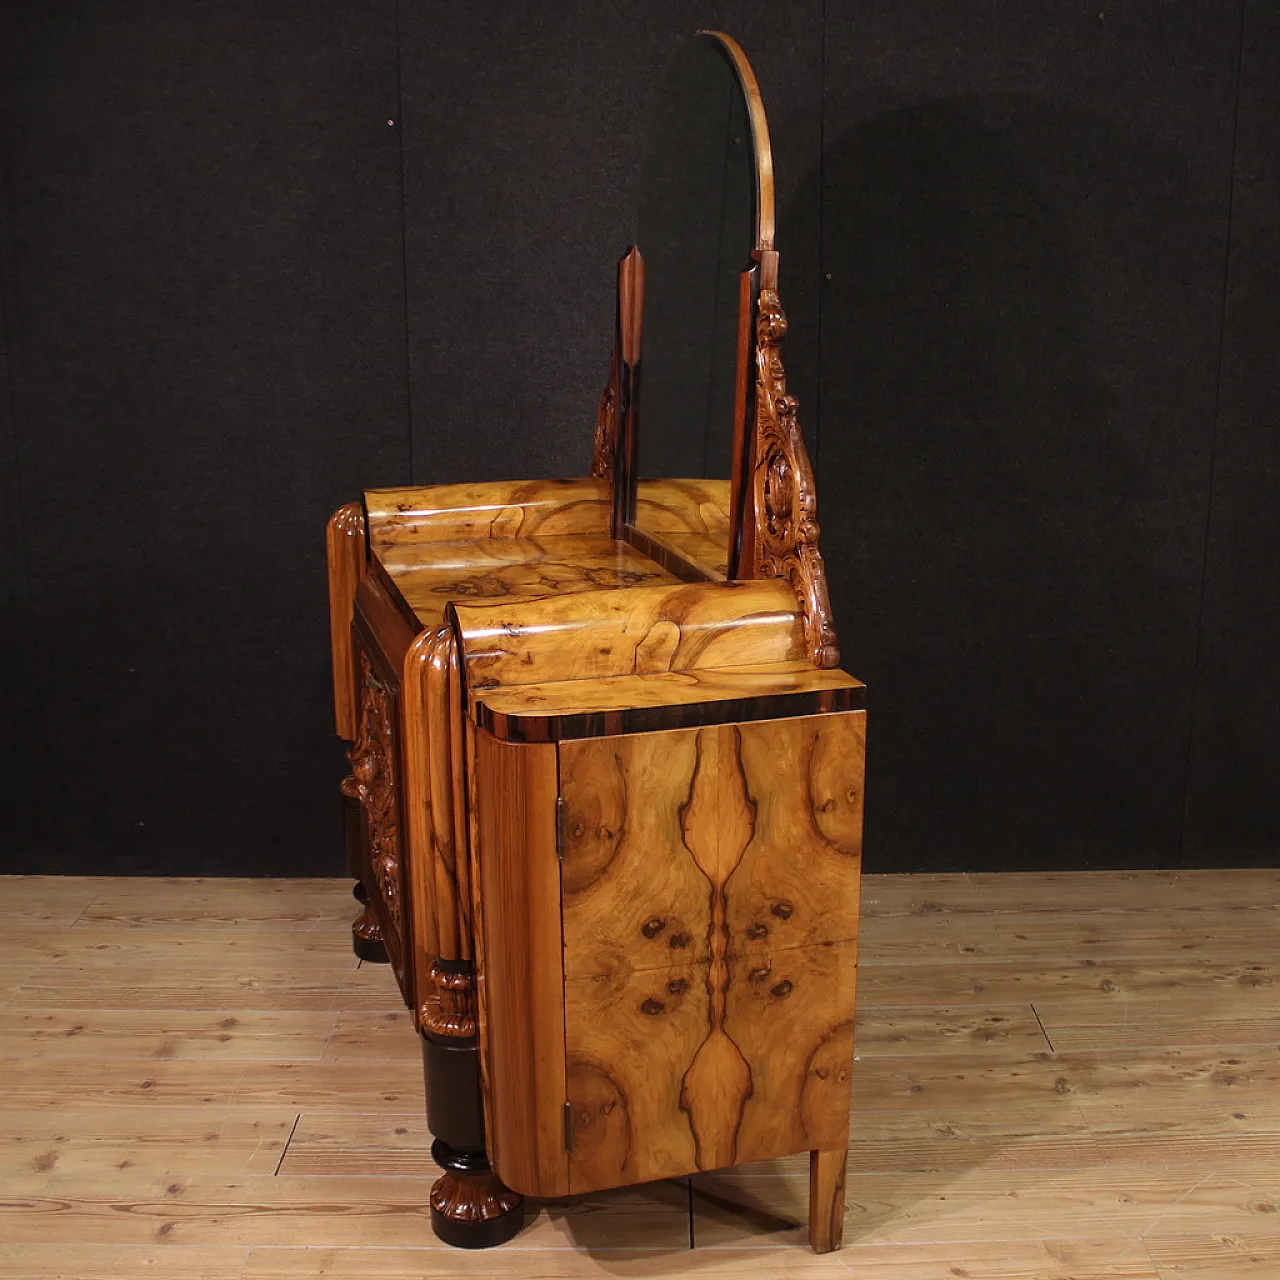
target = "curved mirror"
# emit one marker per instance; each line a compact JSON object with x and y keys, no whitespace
{"x":698,"y":223}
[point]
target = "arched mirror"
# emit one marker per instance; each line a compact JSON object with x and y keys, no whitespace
{"x":705,"y":211}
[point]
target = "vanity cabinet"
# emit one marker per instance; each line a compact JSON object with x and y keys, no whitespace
{"x":611,"y":784}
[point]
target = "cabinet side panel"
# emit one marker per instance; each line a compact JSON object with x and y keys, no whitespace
{"x":522,"y":979}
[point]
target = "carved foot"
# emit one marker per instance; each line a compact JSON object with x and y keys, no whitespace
{"x":366,"y":938}
{"x":470,"y":1208}
{"x":826,"y":1199}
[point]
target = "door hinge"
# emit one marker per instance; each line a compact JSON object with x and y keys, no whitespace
{"x":560,"y":824}
{"x":568,"y":1127}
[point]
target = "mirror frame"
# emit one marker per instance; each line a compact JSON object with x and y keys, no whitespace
{"x":773,"y":529}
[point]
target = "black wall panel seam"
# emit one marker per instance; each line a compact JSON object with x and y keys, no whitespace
{"x":1196,"y":671}
{"x":399,"y":127}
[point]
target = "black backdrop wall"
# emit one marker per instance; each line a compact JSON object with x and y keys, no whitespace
{"x":255,"y":258}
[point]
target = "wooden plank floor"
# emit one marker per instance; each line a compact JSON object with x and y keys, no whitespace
{"x":1060,"y":1077}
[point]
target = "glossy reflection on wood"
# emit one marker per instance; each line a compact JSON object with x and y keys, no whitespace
{"x":499,"y":509}
{"x":510,"y":568}
{"x":642,"y":631}
{"x":345,"y":547}
{"x":521,"y":984}
{"x":560,"y":710}
{"x":613,"y":790}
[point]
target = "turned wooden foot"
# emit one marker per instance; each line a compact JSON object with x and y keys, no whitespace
{"x":470,"y":1208}
{"x":826,"y":1199}
{"x":366,"y":938}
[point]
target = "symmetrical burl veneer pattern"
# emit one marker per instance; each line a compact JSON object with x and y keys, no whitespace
{"x":710,"y":906}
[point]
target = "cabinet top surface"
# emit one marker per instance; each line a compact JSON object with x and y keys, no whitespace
{"x":431,"y":575}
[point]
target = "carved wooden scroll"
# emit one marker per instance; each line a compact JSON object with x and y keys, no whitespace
{"x":605,"y":448}
{"x":372,"y":766}
{"x":784,"y":540}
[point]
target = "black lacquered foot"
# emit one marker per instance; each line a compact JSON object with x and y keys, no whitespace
{"x":470,"y":1208}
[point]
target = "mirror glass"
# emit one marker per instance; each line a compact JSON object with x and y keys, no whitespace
{"x":696,"y":229}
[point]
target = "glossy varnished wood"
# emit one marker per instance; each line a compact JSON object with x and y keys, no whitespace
{"x":345,"y":553}
{"x":641,"y":631}
{"x":560,"y":710}
{"x":511,"y":568}
{"x":497,"y":509}
{"x":716,"y":921}
{"x":683,"y":506}
{"x":521,"y":980}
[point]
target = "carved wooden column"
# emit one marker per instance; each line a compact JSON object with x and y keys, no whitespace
{"x":470,"y":1207}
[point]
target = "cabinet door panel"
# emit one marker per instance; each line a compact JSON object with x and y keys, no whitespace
{"x":797,"y":882}
{"x":634,"y":897}
{"x":630,"y":1039}
{"x":791,"y":1014}
{"x":742,"y":843}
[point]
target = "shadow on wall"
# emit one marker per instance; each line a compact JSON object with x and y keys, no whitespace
{"x":1013,"y":432}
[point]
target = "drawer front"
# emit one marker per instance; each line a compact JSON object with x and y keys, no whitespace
{"x":710,"y":908}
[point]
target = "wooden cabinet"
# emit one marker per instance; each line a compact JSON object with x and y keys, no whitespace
{"x":612,"y":788}
{"x":686,"y":944}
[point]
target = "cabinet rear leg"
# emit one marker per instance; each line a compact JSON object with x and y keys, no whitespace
{"x":366,"y":933}
{"x":826,"y":1199}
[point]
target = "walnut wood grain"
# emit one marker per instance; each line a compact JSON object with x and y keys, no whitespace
{"x":498,"y":509}
{"x":345,"y":553}
{"x":626,"y":1120}
{"x":685,"y":526}
{"x":826,"y":1199}
{"x":677,"y":849}
{"x":633,"y":899}
{"x":799,"y":876}
{"x":508,"y":568}
{"x":521,"y":977}
{"x":645,"y":630}
{"x":380,"y":627}
{"x":790,"y":1014}
{"x":682,"y":506}
{"x":708,"y":552}
{"x":566,"y":709}
{"x":419,"y":761}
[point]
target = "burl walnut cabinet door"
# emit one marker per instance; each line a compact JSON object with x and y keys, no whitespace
{"x":710,"y":907}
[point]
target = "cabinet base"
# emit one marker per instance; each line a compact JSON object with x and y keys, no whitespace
{"x":470,"y":1208}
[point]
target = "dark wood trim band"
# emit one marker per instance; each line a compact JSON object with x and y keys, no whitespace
{"x":683,"y":715}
